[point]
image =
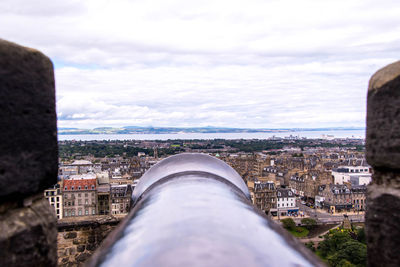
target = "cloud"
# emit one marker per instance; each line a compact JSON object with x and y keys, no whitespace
{"x":224,"y":63}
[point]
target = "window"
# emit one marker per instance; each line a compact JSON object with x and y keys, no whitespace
{"x":79,"y":201}
{"x":58,"y":198}
{"x":52,"y":199}
{"x":86,"y":194}
{"x":86,"y":187}
{"x":86,"y":212}
{"x":72,"y":187}
{"x":66,"y":188}
{"x":92,"y":186}
{"x":66,"y":213}
{"x":86,"y":201}
{"x":80,"y":212}
{"x":79,"y":188}
{"x":73,"y":213}
{"x":93,"y":212}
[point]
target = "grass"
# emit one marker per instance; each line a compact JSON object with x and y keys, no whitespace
{"x":299,"y":231}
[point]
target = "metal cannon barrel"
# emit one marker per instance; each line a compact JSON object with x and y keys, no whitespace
{"x":195,"y":210}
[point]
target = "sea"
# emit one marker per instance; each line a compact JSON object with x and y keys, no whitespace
{"x":359,"y":134}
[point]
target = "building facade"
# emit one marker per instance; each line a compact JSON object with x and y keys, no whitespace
{"x":54,"y":196}
{"x":264,"y":195}
{"x":79,"y":196}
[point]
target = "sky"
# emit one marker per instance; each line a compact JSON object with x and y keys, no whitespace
{"x":250,"y":63}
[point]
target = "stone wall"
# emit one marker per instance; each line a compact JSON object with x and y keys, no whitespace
{"x":78,"y":239}
{"x":28,"y":157}
{"x":383,"y":153}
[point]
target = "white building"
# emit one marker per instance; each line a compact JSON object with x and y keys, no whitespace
{"x":54,"y":196}
{"x":344,"y":174}
{"x":286,"y":202}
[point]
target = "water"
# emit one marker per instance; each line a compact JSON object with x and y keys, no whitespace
{"x":207,"y":136}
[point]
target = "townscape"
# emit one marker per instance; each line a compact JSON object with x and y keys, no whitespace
{"x":292,"y":177}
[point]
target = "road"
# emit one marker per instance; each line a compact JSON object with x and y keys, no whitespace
{"x":324,"y":217}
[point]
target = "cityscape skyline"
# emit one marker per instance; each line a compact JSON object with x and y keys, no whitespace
{"x":275,"y":64}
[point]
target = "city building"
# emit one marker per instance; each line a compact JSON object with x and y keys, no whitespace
{"x":359,"y":197}
{"x":343,"y":174}
{"x":264,"y":195}
{"x":286,"y":202}
{"x":335,"y":197}
{"x":54,"y":196}
{"x":120,"y":198}
{"x":79,"y":196}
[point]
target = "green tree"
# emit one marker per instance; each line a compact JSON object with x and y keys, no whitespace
{"x":332,"y":241}
{"x":351,"y":251}
{"x":288,"y":223}
{"x":310,"y":245}
{"x":361,"y":235}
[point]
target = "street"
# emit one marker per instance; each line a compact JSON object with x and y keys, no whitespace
{"x":324,"y":217}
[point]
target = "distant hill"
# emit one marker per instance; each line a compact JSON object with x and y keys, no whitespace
{"x":170,"y":130}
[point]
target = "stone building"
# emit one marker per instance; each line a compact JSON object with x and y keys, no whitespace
{"x":103,"y":193}
{"x":336,"y":197}
{"x":297,"y":184}
{"x":54,"y":196}
{"x":359,"y":197}
{"x":120,"y":198}
{"x":79,"y":197}
{"x":264,"y":195}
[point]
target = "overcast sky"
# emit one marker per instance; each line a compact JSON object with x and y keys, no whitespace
{"x":259,"y":64}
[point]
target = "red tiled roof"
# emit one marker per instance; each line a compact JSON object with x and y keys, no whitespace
{"x":82,"y":183}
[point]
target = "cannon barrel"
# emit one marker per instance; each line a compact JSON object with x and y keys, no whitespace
{"x":195,"y":210}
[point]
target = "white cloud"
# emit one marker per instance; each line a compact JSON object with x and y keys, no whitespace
{"x":197,"y":63}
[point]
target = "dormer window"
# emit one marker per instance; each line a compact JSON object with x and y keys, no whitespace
{"x":66,"y":188}
{"x":86,"y":187}
{"x":92,"y":186}
{"x":72,"y":187}
{"x":79,"y":188}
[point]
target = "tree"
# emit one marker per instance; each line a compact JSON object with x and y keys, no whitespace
{"x":332,"y":241}
{"x":310,"y":245}
{"x":361,"y":235}
{"x":352,"y":252}
{"x":288,"y":223}
{"x":309,"y":223}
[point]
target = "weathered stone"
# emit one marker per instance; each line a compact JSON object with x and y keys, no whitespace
{"x":28,"y":236}
{"x":28,"y":150}
{"x":80,"y":248}
{"x":91,"y":239}
{"x":91,"y":247}
{"x":82,"y":257}
{"x":383,"y":118}
{"x":383,"y":231}
{"x":79,"y":240}
{"x":70,"y":235}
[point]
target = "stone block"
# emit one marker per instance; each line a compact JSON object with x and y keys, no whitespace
{"x":383,"y":118}
{"x":91,"y":247}
{"x":70,"y":235}
{"x":91,"y":239}
{"x":28,"y":150}
{"x":28,"y":236}
{"x":79,"y":240}
{"x":80,"y":248}
{"x":82,"y":257}
{"x":382,"y":229}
